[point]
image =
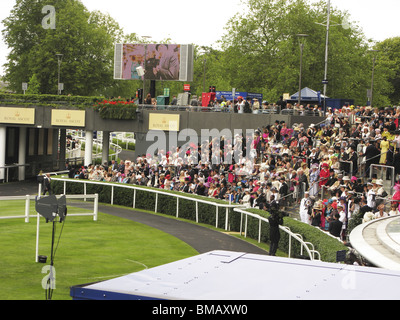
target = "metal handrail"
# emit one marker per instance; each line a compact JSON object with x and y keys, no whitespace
{"x":7,"y":167}
{"x":286,"y":229}
{"x":236,"y":207}
{"x":225,"y":109}
{"x":178,"y":196}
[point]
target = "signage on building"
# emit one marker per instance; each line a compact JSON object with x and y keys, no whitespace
{"x":74,"y":118}
{"x":17,"y":115}
{"x":164,"y":122}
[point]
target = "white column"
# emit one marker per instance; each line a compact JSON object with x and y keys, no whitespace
{"x":106,"y":147}
{"x":22,"y":153}
{"x":88,"y":147}
{"x":3,"y":140}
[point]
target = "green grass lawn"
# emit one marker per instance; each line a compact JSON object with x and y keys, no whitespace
{"x":88,"y":251}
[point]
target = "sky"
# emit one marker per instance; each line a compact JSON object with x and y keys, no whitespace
{"x":203,"y":22}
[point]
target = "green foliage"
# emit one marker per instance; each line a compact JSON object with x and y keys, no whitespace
{"x":48,"y":100}
{"x":118,"y":110}
{"x":124,"y":145}
{"x":262,"y":50}
{"x":258,"y":53}
{"x":326,"y":245}
{"x":85,"y":39}
{"x":388,"y":70}
{"x":33,"y":85}
{"x":323,"y":243}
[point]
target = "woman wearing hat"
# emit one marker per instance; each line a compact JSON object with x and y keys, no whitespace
{"x":324,"y":174}
{"x":316,"y":214}
{"x":314,"y":177}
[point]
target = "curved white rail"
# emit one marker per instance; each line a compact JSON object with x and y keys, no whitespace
{"x":238,"y":208}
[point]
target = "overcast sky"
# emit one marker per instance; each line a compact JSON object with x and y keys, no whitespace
{"x":203,"y":22}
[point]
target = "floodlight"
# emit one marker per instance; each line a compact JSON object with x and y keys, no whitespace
{"x":140,"y":71}
{"x":47,"y":207}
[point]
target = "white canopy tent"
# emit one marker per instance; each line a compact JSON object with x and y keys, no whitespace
{"x":225,"y":275}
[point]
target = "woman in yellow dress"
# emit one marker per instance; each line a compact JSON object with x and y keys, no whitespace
{"x":384,"y":149}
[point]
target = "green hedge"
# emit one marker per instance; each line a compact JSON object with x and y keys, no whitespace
{"x":116,"y":109}
{"x":131,"y":145}
{"x":80,"y":102}
{"x":323,"y":243}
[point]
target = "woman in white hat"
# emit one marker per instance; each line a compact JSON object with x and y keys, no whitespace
{"x":305,"y":204}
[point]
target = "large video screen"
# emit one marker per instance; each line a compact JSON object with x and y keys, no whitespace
{"x":171,"y":62}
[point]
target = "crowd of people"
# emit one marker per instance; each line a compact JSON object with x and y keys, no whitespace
{"x":324,"y":168}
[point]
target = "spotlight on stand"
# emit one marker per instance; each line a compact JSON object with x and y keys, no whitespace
{"x":50,"y":207}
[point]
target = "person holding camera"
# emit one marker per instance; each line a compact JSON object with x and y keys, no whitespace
{"x":275,"y":220}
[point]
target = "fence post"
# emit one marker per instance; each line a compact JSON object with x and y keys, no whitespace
{"x":177,"y":207}
{"x":84,"y":191}
{"x":241,"y":222}
{"x":27,"y":205}
{"x":112,"y":195}
{"x":134,"y":198}
{"x":96,"y":206}
{"x":155,"y":209}
{"x":226,"y":218}
{"x":216,"y":216}
{"x":197,"y":212}
{"x":245,"y":227}
{"x":259,"y":230}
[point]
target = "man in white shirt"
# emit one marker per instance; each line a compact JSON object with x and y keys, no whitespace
{"x":342,"y":219}
{"x":305,"y":203}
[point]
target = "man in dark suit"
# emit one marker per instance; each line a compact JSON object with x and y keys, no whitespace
{"x":222,"y":192}
{"x":186,"y":188}
{"x":396,"y":163}
{"x":47,"y":184}
{"x":354,"y":159}
{"x":335,"y":227}
{"x":371,"y":155}
{"x":283,"y":192}
{"x":200,"y":189}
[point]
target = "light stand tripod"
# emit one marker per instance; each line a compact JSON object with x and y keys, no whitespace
{"x":49,"y":207}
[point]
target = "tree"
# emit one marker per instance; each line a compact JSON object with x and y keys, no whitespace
{"x":388,"y":67}
{"x":86,"y":42}
{"x":33,"y":85}
{"x":261,"y":50}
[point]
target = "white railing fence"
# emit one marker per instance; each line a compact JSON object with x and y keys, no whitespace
{"x":305,"y":246}
{"x":27,"y":215}
{"x":28,"y":198}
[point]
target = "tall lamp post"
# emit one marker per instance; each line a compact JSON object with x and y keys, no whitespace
{"x":59,"y":59}
{"x":301,"y":37}
{"x":327,"y":24}
{"x":144,"y":66}
{"x":371,"y":95}
{"x":204,"y":52}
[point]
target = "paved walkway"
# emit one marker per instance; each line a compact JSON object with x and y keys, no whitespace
{"x":200,"y":238}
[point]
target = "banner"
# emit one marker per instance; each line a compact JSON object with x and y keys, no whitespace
{"x":164,"y":122}
{"x":17,"y":115}
{"x":73,"y":118}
